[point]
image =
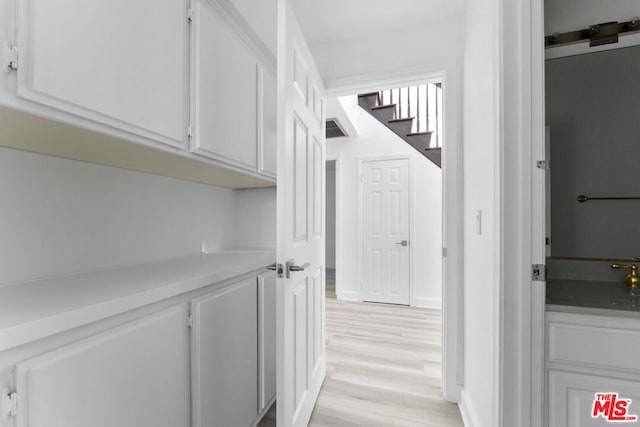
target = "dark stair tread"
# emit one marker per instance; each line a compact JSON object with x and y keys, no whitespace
{"x":380,"y":107}
{"x":386,"y":113}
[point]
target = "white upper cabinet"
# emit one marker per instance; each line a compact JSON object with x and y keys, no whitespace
{"x":233,"y":90}
{"x":261,"y":17}
{"x":225,"y":91}
{"x":115,"y":62}
{"x":267,"y":123}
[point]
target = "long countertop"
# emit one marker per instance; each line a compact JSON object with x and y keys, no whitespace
{"x":36,"y":309}
{"x":592,"y":297}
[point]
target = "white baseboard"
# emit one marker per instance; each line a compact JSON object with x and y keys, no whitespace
{"x":428,"y":302}
{"x":349,"y":296}
{"x":469,"y":417}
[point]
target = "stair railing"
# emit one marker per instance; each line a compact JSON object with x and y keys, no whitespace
{"x":423,"y":103}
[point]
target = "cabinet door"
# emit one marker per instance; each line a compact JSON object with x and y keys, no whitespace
{"x":571,"y":398}
{"x":225,"y":356}
{"x":117,"y":62}
{"x":136,"y":375}
{"x":267,"y":123}
{"x":224,"y":89}
{"x":267,"y":318}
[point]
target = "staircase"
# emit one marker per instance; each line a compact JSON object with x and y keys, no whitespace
{"x":412,"y":126}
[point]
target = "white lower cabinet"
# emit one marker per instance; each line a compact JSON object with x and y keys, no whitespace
{"x":571,"y":398}
{"x":267,"y":318}
{"x":206,"y":358}
{"x":586,"y":355}
{"x":225,"y":356}
{"x":135,"y":375}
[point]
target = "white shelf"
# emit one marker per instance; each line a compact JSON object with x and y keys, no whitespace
{"x":40,"y":308}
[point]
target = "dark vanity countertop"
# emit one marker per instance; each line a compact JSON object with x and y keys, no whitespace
{"x":592,"y":297}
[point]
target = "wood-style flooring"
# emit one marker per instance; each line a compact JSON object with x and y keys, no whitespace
{"x":383,"y":368}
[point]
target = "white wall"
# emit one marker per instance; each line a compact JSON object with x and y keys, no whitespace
{"x":569,"y":15}
{"x":330,"y":226}
{"x":380,"y":55}
{"x":375,"y":140}
{"x":60,"y":216}
{"x":479,"y":396}
{"x":255,"y":219}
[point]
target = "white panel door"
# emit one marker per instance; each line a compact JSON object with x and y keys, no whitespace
{"x":385,"y":231}
{"x":224,"y":89}
{"x":267,"y":352}
{"x":300,"y":206}
{"x":118,"y":62}
{"x":136,"y":375}
{"x":225,"y":356}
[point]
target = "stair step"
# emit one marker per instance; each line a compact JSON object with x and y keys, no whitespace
{"x":368,"y":100}
{"x":435,"y":155}
{"x":419,"y":140}
{"x":384,"y":113}
{"x":401,"y":127}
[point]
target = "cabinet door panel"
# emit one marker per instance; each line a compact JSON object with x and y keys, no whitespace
{"x":267,"y":318}
{"x":118,"y":62}
{"x":135,"y":375}
{"x":224,"y":91}
{"x":571,"y":397}
{"x":225,"y":356}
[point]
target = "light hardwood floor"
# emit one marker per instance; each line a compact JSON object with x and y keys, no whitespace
{"x":383,"y":368}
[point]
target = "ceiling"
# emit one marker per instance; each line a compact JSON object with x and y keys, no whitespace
{"x":332,"y":21}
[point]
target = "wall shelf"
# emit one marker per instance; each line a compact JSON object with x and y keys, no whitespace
{"x":27,"y":132}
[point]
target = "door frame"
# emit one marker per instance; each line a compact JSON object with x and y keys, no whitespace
{"x":338,"y":237}
{"x":410,"y":188}
{"x":449,"y":72}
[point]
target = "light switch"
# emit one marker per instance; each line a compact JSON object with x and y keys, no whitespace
{"x":478,"y":222}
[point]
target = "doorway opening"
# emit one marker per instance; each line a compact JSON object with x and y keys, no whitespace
{"x":371,"y":153}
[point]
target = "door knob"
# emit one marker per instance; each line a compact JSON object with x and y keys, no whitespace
{"x":403,"y":243}
{"x":292,"y":267}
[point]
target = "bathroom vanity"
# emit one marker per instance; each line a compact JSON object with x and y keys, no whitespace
{"x":593,"y":346}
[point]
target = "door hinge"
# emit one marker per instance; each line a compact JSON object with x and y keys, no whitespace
{"x":542,"y":164}
{"x":189,"y":131}
{"x":538,"y":272}
{"x":9,"y":57}
{"x":190,"y":15}
{"x":9,"y":404}
{"x":444,"y":252}
{"x":190,"y":320}
{"x":278,"y":268}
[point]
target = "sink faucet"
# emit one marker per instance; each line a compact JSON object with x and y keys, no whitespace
{"x":631,"y":279}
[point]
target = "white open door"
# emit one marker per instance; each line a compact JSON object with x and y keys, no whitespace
{"x":300,"y":225}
